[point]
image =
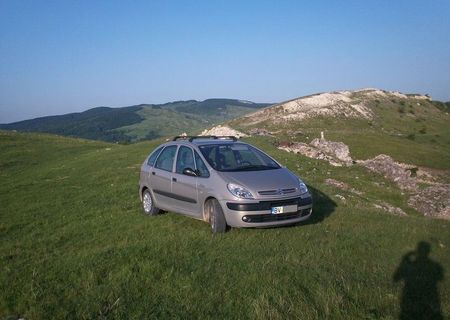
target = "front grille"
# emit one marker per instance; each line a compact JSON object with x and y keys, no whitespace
{"x":276,"y":192}
{"x":255,"y":218}
{"x":267,"y":205}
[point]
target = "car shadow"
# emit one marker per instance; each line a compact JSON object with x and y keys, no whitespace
{"x":323,"y":207}
{"x":420,"y":296}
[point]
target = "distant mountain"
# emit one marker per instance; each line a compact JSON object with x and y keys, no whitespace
{"x":145,"y":121}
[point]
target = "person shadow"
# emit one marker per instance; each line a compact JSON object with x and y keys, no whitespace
{"x":420,"y":297}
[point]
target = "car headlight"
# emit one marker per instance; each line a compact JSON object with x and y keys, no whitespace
{"x":302,"y":187}
{"x":239,"y":191}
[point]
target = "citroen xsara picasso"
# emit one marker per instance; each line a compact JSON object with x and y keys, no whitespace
{"x":222,"y":181}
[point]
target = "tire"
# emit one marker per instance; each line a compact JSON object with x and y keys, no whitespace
{"x":148,"y":204}
{"x":216,"y":218}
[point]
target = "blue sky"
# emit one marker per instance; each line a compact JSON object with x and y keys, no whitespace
{"x":67,"y":56}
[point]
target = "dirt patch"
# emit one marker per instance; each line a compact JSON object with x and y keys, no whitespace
{"x":433,"y":201}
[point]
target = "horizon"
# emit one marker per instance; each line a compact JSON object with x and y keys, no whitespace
{"x":174,"y":101}
{"x":59,"y":58}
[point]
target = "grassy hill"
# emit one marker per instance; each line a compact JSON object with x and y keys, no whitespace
{"x":410,"y":128}
{"x":140,"y":122}
{"x":74,"y":243}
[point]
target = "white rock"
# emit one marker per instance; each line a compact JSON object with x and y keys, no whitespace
{"x":223,"y":131}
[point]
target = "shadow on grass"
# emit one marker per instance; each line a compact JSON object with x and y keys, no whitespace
{"x":420,"y":296}
{"x":323,"y":206}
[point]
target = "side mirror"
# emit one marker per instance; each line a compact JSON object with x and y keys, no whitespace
{"x":190,"y":172}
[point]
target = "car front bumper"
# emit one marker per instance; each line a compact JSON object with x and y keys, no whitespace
{"x":257,"y":214}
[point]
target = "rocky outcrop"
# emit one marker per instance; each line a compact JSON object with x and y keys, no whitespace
{"x":335,"y":153}
{"x":391,"y":170}
{"x":433,"y":201}
{"x":223,"y":131}
{"x":337,"y":150}
{"x":308,"y":151}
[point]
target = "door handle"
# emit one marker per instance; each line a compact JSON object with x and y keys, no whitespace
{"x":174,"y":179}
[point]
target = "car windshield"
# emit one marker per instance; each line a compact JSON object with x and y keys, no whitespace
{"x":236,"y":157}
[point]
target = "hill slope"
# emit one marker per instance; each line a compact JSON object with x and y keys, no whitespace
{"x":74,"y":243}
{"x":139,"y":122}
{"x":410,"y":128}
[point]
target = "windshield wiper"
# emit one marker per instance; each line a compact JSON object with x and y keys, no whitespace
{"x":253,"y":167}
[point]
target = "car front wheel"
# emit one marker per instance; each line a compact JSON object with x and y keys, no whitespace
{"x":216,"y":217}
{"x":148,"y":205}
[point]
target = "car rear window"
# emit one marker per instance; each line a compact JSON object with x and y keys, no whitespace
{"x":153,"y":156}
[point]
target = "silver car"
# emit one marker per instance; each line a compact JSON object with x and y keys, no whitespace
{"x":222,"y":181}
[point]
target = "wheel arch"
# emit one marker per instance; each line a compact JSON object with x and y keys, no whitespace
{"x":141,"y":192}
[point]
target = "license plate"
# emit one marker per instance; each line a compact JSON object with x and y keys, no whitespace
{"x":277,"y":210}
{"x":284,"y":209}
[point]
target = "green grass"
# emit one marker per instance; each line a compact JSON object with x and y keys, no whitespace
{"x":74,"y":244}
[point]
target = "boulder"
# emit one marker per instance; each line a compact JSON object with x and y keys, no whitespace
{"x":337,"y":150}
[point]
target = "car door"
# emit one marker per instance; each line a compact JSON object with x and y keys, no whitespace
{"x":161,"y":178}
{"x":184,"y":187}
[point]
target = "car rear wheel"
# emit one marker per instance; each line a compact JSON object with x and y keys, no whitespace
{"x":148,"y":205}
{"x":216,"y":217}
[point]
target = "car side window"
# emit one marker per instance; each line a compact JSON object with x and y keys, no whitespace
{"x":185,"y":159}
{"x":165,"y":159}
{"x":153,"y":156}
{"x":201,"y":167}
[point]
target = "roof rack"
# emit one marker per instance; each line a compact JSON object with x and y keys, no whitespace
{"x":192,"y":138}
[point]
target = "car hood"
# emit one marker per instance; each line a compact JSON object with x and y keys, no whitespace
{"x":262,"y":180}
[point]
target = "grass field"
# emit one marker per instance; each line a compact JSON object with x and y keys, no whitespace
{"x":74,"y":244}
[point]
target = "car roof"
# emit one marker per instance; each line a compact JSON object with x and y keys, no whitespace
{"x":197,"y":140}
